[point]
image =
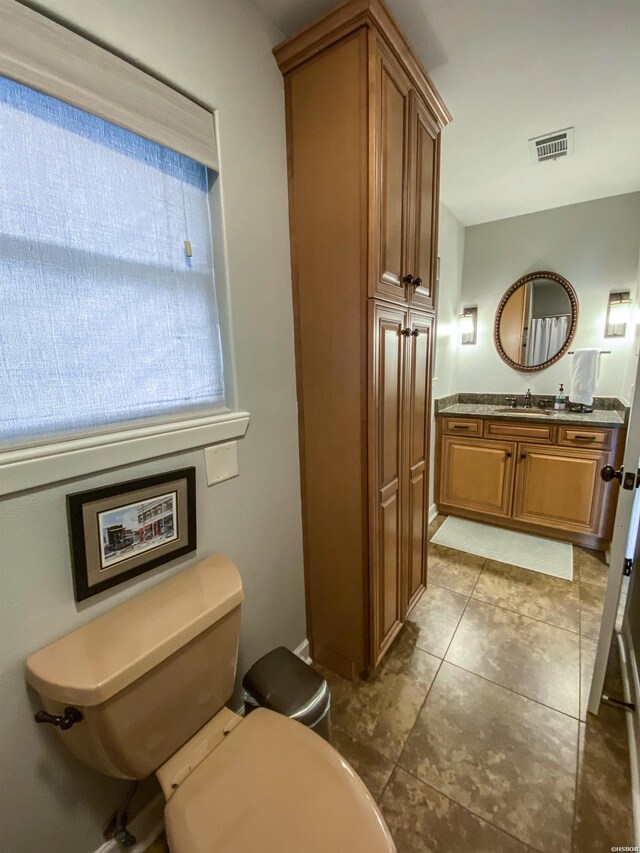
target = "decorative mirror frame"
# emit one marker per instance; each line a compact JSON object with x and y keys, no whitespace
{"x":573,"y":299}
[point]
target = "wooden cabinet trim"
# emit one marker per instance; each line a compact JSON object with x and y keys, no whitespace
{"x":416,"y":450}
{"x":587,"y":437}
{"x":343,"y":20}
{"x":519,"y":431}
{"x":462,"y":426}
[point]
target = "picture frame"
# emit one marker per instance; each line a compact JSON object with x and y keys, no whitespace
{"x":121,"y":531}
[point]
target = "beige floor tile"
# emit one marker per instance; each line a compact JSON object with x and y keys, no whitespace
{"x":591,"y":604}
{"x":587,"y":660}
{"x":537,"y":660}
{"x":589,"y":566}
{"x":530,"y":593}
{"x":372,"y":767}
{"x":381,"y":710}
{"x":423,"y":821}
{"x":504,"y":757}
{"x":434,"y":619}
{"x":453,"y":569}
{"x":604,"y":816}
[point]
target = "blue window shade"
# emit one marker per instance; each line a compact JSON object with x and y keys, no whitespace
{"x":103,"y":317}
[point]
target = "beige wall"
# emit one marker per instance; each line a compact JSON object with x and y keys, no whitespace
{"x":221,"y":52}
{"x":451,"y":254}
{"x":594,"y":245}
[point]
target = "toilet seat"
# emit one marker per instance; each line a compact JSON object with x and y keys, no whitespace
{"x":274,"y":785}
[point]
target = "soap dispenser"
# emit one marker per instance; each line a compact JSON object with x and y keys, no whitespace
{"x":561,"y":399}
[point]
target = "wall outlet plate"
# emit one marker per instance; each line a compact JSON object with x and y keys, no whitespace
{"x":221,"y":462}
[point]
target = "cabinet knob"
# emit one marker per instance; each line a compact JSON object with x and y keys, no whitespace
{"x":509,"y":455}
{"x":417,"y":282}
{"x":406,"y":332}
{"x":408,"y":279}
{"x":523,"y":456}
{"x":415,"y":333}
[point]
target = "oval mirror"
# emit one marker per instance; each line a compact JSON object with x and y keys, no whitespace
{"x":536,"y":321}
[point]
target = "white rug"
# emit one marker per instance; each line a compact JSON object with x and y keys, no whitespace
{"x":507,"y":546}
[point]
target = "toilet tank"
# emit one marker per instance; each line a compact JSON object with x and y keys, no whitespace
{"x":147,"y":674}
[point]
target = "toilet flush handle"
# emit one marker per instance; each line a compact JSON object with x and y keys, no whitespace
{"x":62,"y":721}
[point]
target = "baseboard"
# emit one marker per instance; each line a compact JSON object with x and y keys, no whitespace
{"x":631,"y":686}
{"x":145,"y":827}
{"x":303,"y":651}
{"x":433,"y":511}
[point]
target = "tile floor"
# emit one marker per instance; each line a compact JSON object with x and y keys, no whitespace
{"x":473,"y":734}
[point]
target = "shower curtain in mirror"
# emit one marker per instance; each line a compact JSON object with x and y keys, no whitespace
{"x":546,"y":338}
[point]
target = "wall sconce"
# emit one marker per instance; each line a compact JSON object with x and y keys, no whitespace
{"x":618,"y":314}
{"x":468,"y":325}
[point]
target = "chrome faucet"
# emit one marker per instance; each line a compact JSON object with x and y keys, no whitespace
{"x":527,"y":404}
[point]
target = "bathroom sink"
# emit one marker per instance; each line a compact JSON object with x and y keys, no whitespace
{"x":520,"y":411}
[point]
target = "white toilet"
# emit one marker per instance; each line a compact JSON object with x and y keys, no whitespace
{"x":150,"y":679}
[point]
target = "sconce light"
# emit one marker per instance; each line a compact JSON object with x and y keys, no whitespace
{"x":618,"y":314}
{"x":468,"y":324}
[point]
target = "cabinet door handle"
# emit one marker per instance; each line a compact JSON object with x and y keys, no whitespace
{"x":408,"y":279}
{"x":417,"y":282}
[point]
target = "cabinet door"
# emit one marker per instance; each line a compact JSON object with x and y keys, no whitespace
{"x":477,"y":474}
{"x":559,"y":487}
{"x":389,"y":175}
{"x":385,"y":419}
{"x":422,"y":237}
{"x":416,"y":459}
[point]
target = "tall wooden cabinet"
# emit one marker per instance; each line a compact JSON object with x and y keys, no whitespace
{"x":363,"y":123}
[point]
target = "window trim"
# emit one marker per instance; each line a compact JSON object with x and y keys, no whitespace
{"x":43,"y":464}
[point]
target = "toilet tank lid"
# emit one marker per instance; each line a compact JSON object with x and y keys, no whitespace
{"x":107,"y":654}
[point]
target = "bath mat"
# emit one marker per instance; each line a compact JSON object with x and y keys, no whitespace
{"x":507,"y":546}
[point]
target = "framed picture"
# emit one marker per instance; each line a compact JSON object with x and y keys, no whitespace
{"x":118,"y":532}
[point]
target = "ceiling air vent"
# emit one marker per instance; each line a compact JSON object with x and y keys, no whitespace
{"x":552,"y":145}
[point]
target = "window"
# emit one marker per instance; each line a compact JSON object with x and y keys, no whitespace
{"x":107,"y":300}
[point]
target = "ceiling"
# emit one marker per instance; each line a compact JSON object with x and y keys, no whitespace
{"x":509,"y":70}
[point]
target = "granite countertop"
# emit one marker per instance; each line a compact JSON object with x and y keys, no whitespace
{"x":598,"y":418}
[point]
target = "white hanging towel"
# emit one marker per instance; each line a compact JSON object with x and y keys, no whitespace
{"x":584,"y":375}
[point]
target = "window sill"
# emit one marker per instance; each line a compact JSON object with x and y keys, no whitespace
{"x":30,"y":467}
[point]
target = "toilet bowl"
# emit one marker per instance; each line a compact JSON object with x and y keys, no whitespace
{"x":148,"y":682}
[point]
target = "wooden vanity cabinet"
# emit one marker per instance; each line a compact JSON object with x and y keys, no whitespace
{"x":363,"y":123}
{"x":541,"y":478}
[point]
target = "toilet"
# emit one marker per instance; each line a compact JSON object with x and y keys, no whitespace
{"x":142,"y":690}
